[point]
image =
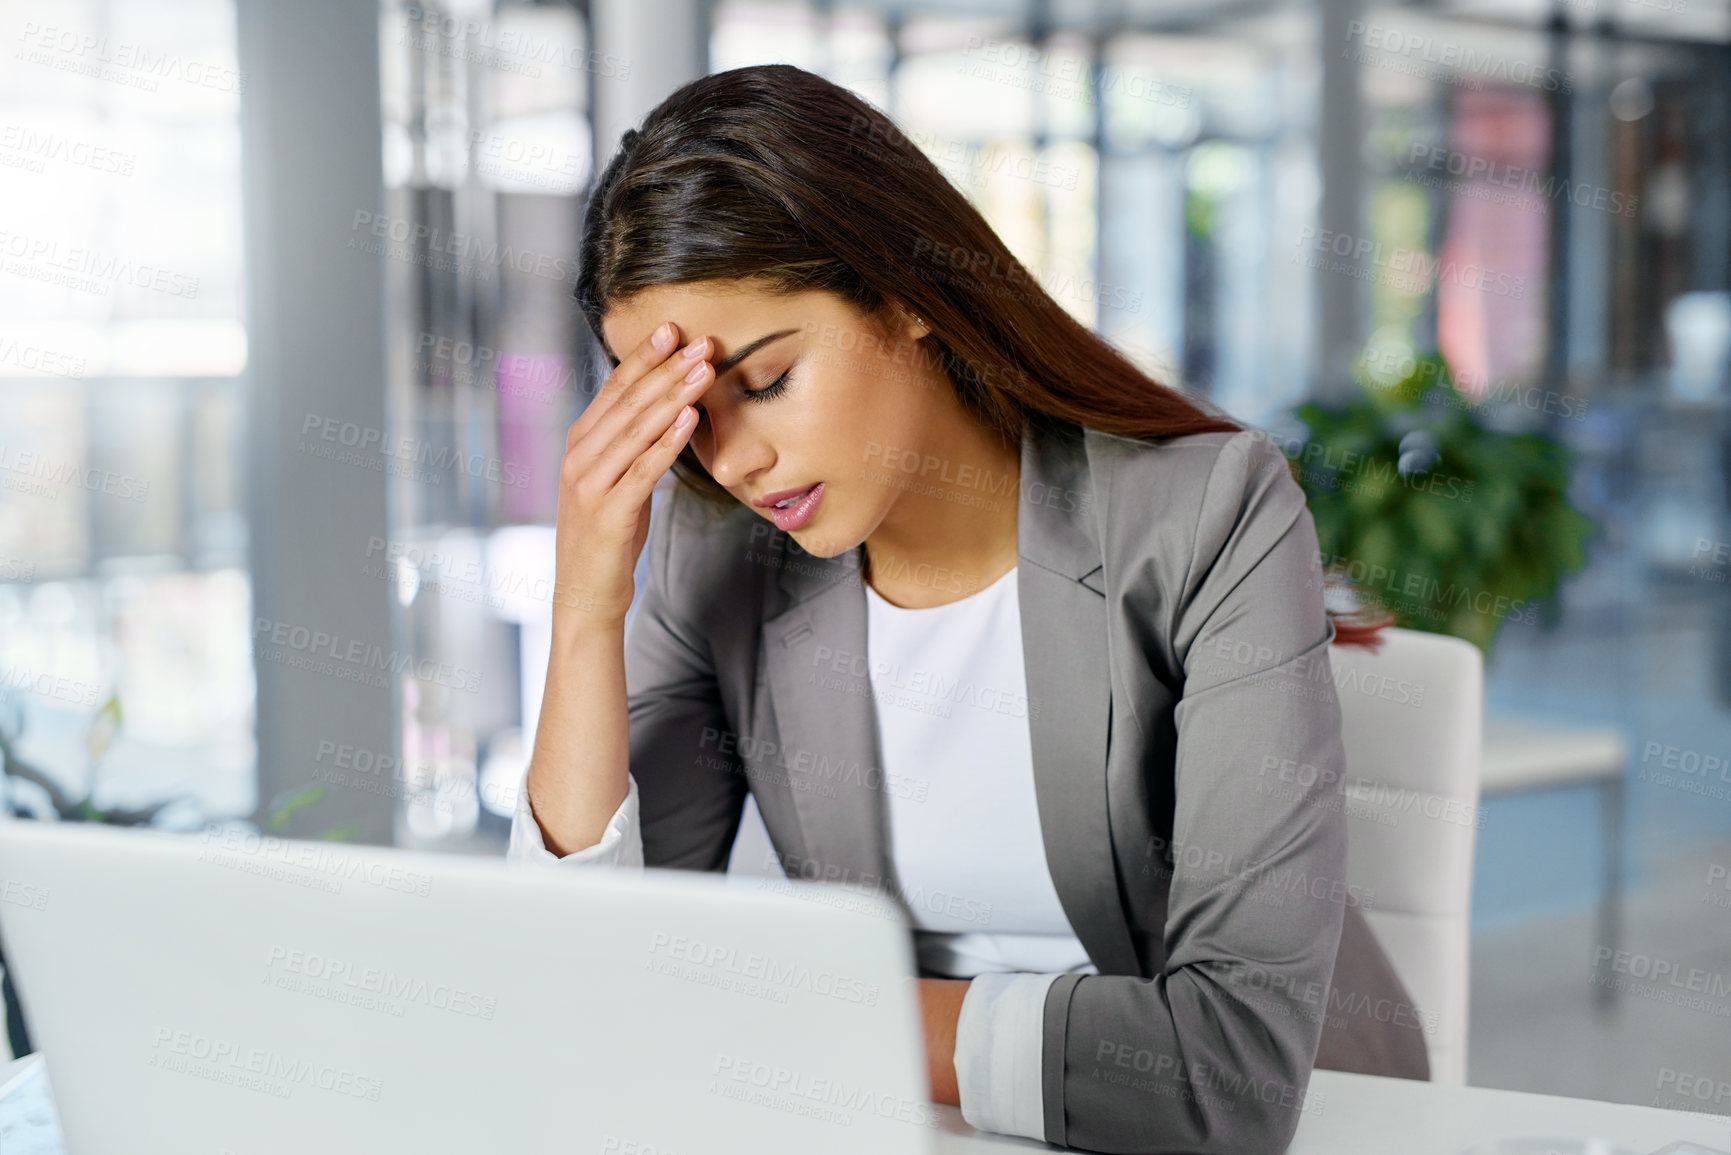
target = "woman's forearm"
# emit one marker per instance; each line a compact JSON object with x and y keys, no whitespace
{"x":577,"y":772}
{"x":941,"y":1008}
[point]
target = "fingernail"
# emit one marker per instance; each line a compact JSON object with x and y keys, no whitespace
{"x":663,"y":338}
{"x":695,"y":349}
{"x":696,"y":373}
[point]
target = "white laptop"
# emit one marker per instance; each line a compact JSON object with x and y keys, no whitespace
{"x":232,"y":994}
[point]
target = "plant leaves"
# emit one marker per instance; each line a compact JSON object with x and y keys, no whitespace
{"x":103,"y":728}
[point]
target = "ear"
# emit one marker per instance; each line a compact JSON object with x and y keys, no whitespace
{"x":909,"y":326}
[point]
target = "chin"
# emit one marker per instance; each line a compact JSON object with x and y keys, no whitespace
{"x":819,"y":545}
{"x":820,"y":540}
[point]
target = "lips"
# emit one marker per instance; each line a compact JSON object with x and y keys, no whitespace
{"x":781,"y":495}
{"x":802,"y":505}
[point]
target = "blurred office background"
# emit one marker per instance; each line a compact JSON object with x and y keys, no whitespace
{"x":287,"y":353}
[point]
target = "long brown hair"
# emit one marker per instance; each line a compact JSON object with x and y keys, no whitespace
{"x":773,"y":175}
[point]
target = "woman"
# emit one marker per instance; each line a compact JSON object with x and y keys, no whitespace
{"x":981,"y":616}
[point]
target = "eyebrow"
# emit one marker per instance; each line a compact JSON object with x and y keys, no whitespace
{"x":726,"y":363}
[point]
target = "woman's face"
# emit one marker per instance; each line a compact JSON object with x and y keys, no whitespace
{"x":807,"y":390}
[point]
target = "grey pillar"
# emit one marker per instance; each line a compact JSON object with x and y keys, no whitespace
{"x":667,"y":45}
{"x":315,"y":321}
{"x":1340,"y":300}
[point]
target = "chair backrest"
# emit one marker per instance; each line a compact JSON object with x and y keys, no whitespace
{"x":1412,"y":717}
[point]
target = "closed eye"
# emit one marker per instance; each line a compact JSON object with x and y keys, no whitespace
{"x":773,"y":389}
{"x":768,"y":393}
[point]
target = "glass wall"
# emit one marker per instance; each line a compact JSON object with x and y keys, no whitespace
{"x":486,"y":156}
{"x":122,"y":526}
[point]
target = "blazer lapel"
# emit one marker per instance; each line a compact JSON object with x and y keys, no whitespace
{"x":1061,"y":583}
{"x":814,"y":648}
{"x":825,"y":720}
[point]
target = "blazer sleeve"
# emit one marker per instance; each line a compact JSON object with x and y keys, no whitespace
{"x":683,"y":799}
{"x":1214,"y":1053}
{"x":690,"y":798}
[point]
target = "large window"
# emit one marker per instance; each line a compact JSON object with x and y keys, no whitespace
{"x":122,"y":531}
{"x":1148,"y":180}
{"x":487,"y":154}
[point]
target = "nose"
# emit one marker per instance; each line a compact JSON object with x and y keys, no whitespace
{"x":735,"y":453}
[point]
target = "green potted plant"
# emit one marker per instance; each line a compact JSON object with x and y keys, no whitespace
{"x":1433,"y":516}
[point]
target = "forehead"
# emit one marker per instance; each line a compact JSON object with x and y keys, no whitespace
{"x":731,"y":313}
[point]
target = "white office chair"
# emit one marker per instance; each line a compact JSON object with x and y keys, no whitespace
{"x":1412,"y":717}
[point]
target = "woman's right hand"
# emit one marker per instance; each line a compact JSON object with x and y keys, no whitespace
{"x":615,"y":452}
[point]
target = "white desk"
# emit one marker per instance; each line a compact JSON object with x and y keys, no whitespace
{"x":1358,"y":1115}
{"x":1365,"y":1115}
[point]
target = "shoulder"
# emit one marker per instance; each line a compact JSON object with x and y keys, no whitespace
{"x":1189,"y":495}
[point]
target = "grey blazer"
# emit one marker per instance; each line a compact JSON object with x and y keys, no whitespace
{"x":1187,"y":762}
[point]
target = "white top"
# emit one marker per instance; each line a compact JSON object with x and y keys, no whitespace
{"x":952,"y":716}
{"x":952,"y":712}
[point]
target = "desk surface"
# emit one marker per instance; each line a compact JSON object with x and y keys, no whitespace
{"x":1365,"y":1115}
{"x":1352,"y":1115}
